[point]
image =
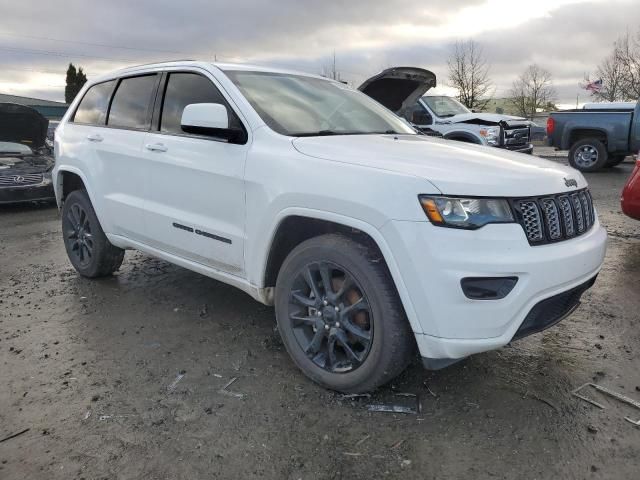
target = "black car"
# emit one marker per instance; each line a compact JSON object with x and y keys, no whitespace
{"x":25,"y":159}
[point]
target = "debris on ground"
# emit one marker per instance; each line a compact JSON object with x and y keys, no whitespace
{"x":14,"y":435}
{"x":109,"y":417}
{"x":224,"y":390}
{"x":174,"y":384}
{"x":355,"y":395}
{"x":606,"y":391}
{"x":391,"y":409}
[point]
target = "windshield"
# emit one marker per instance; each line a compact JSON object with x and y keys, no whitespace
{"x":14,"y":148}
{"x":296,"y":105}
{"x":445,"y":107}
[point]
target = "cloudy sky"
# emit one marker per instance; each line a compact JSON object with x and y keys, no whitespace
{"x":567,"y":37}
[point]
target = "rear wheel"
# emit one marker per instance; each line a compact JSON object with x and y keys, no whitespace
{"x":88,"y":248}
{"x":588,"y":155}
{"x":339,"y":315}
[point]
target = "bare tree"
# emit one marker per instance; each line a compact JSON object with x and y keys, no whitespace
{"x":469,"y":73}
{"x":627,"y":49}
{"x":532,"y":91}
{"x":611,"y":72}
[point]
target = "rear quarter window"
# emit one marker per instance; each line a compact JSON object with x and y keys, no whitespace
{"x":93,"y":106}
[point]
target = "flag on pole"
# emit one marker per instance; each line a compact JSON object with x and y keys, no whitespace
{"x":595,"y":86}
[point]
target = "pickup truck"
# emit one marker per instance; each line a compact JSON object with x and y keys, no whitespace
{"x":403,"y":89}
{"x":595,"y":137}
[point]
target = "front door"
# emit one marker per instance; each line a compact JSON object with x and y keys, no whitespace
{"x":196,"y":206}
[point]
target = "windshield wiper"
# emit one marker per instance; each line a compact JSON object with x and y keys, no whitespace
{"x":324,"y":133}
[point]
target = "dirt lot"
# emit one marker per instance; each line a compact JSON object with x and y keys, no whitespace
{"x":90,"y":368}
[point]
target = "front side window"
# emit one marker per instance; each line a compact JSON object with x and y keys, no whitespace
{"x":445,"y":107}
{"x":132,"y":102}
{"x":184,"y":89}
{"x":417,"y":114}
{"x":93,"y":106}
{"x":297,"y":105}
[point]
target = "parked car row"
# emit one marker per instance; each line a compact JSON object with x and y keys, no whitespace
{"x":25,"y":159}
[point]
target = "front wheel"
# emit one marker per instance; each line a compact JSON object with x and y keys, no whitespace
{"x":88,"y":248}
{"x":339,"y":315}
{"x":588,"y":155}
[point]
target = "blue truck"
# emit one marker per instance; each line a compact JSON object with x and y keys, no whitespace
{"x":598,"y":136}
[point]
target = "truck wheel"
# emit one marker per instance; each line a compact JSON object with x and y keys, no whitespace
{"x":91,"y":254}
{"x":588,"y":155}
{"x":339,"y":315}
{"x":615,"y":160}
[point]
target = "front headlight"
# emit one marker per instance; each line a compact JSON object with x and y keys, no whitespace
{"x":491,"y":135}
{"x":469,"y":213}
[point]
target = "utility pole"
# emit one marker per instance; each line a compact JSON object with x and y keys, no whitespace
{"x":334,"y":73}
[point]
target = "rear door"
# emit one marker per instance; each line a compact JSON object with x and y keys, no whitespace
{"x":196,"y":204}
{"x":78,"y":139}
{"x":124,"y":171}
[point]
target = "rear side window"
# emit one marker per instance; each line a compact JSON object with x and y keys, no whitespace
{"x":132,"y":102}
{"x":184,"y":89}
{"x":93,"y":106}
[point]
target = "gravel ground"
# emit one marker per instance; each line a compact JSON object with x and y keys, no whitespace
{"x":123,"y":378}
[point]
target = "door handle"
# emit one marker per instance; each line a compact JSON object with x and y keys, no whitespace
{"x":95,"y":137}
{"x":156,"y":147}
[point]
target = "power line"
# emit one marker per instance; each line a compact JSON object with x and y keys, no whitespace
{"x":105,"y":45}
{"x":62,"y":54}
{"x":35,"y":70}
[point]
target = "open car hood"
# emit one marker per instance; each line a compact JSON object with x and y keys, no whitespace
{"x":487,"y":119}
{"x":22,"y":124}
{"x":399,"y":87}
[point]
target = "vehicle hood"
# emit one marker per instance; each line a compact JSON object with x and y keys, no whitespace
{"x":454,"y":168}
{"x":22,"y":124}
{"x":21,"y":164}
{"x":399,"y":87}
{"x":487,"y":119}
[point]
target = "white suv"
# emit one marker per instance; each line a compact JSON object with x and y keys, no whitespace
{"x":368,"y":237}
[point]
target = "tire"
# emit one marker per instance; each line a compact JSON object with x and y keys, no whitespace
{"x":615,"y":160}
{"x":588,"y":155}
{"x":89,"y":251}
{"x":379,"y":315}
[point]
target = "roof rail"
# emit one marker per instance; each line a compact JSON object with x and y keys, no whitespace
{"x":158,"y":63}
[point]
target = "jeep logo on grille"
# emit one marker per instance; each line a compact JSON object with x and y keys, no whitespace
{"x":570,"y":182}
{"x":18,"y":179}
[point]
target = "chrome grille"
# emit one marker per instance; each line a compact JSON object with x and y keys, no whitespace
{"x":555,"y":218}
{"x":532,"y":223}
{"x":577,"y":208}
{"x":20,"y":180}
{"x":516,"y":137}
{"x":552,"y":218}
{"x":567,"y":216}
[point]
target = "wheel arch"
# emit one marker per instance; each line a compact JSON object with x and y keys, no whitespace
{"x":294,"y":226}
{"x":462,"y":136}
{"x":576,"y":134}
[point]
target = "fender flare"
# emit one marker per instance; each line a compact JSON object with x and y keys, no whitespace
{"x":364,"y":227}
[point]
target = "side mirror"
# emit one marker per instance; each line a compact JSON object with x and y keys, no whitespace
{"x":209,"y":119}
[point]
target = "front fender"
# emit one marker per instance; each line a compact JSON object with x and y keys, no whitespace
{"x":346,"y":221}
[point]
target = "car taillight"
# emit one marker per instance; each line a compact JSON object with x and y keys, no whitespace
{"x":551,"y":125}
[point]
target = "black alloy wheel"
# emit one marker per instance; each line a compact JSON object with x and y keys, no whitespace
{"x":77,"y":232}
{"x":331,"y":317}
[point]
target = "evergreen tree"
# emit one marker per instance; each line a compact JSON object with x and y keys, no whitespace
{"x":75,"y":81}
